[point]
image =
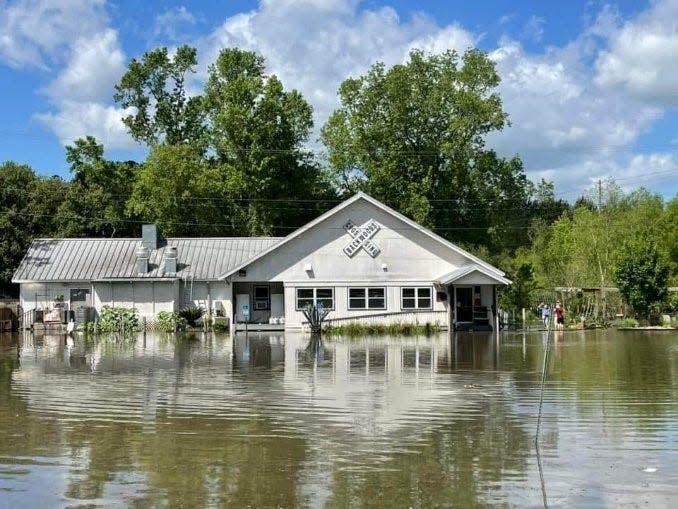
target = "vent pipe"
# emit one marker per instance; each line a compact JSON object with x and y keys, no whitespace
{"x":143,"y":254}
{"x":171,"y":260}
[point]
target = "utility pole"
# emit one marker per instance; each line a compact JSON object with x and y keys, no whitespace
{"x":600,"y":195}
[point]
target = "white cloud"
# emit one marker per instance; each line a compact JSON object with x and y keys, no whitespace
{"x":96,"y":63}
{"x":33,"y":33}
{"x":75,"y":119}
{"x":641,"y":58}
{"x":313,"y":45}
{"x":167,"y":24}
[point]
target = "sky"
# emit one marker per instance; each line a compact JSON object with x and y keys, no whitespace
{"x":591,"y":87}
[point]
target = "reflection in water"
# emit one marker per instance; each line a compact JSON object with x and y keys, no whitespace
{"x":281,"y":420}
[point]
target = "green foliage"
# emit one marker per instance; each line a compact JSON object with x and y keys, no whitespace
{"x":155,"y":86}
{"x":191,"y":314}
{"x":642,"y":272}
{"x":28,"y":204}
{"x":165,"y":191}
{"x":414,"y":134}
{"x":394,"y":329}
{"x":118,"y":319}
{"x":170,"y":321}
{"x":94,"y":203}
{"x":220,"y":326}
{"x":520,"y":294}
{"x":628,"y":323}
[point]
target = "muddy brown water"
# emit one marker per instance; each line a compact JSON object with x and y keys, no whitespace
{"x":278,"y":421}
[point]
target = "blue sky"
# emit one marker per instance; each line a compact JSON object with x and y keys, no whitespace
{"x":590,"y":86}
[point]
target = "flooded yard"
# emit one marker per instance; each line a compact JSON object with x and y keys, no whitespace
{"x":278,"y":421}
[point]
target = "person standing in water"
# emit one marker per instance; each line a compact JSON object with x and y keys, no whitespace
{"x":560,"y":316}
{"x":545,"y":314}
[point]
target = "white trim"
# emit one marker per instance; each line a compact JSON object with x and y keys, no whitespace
{"x":451,"y":277}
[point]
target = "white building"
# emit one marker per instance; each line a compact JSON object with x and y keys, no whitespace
{"x":362,"y":260}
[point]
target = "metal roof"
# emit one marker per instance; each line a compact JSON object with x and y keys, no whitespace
{"x":104,"y":259}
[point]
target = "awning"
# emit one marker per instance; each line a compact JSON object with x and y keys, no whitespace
{"x":472,"y":275}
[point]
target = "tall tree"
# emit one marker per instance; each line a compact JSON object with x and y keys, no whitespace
{"x":413,"y":137}
{"x":163,"y":110}
{"x":179,"y":192}
{"x":257,"y":132}
{"x":95,"y":202}
{"x":28,"y":206}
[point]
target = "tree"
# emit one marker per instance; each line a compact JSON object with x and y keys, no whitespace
{"x":95,"y":202}
{"x":257,"y":131}
{"x":28,"y":206}
{"x":179,"y":192}
{"x":642,"y":273}
{"x":413,"y":137}
{"x":155,"y":87}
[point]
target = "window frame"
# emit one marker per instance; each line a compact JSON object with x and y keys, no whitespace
{"x":366,"y":298}
{"x":315,"y":296}
{"x":416,"y":298}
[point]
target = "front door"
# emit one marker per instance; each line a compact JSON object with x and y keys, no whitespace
{"x":464,"y":304}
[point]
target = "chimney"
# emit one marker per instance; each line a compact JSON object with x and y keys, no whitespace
{"x":149,"y":236}
{"x":170,"y":260}
{"x":143,"y":254}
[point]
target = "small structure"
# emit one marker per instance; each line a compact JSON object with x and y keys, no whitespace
{"x":361,"y":261}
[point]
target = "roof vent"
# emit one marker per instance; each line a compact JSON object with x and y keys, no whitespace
{"x":171,"y":260}
{"x":142,"y":254}
{"x":149,"y":236}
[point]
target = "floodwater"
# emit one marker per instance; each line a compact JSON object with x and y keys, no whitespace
{"x":278,"y":421}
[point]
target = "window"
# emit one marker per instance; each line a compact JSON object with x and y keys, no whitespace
{"x":416,"y":298}
{"x":366,"y":298}
{"x":261,"y":297}
{"x":314,"y":296}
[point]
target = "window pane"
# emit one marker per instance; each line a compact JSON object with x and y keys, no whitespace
{"x":408,"y":292}
{"x":324,"y":293}
{"x":326,"y":303}
{"x":261,"y":292}
{"x":354,"y":293}
{"x":424,"y":303}
{"x":376,"y":303}
{"x":408,"y":303}
{"x":424,"y":292}
{"x":305,"y":293}
{"x":376,"y":292}
{"x":356,"y":303}
{"x":302,"y":303}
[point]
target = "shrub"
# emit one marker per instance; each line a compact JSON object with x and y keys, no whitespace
{"x":170,"y":321}
{"x":628,"y":322}
{"x":115,"y":319}
{"x":191,"y":314}
{"x":394,"y":329}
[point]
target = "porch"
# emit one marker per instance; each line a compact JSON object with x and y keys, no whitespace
{"x":259,"y":306}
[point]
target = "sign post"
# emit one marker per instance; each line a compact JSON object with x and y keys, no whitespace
{"x":246,"y":315}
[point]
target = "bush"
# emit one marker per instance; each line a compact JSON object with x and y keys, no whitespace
{"x":170,"y":321}
{"x":628,"y":322}
{"x":394,"y":329}
{"x":191,"y":315}
{"x":114,"y":319}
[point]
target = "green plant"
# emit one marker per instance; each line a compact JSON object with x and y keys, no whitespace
{"x":191,"y":314}
{"x":220,"y":326}
{"x":113,"y":319}
{"x":394,"y":329}
{"x":628,"y":322}
{"x":170,"y":321}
